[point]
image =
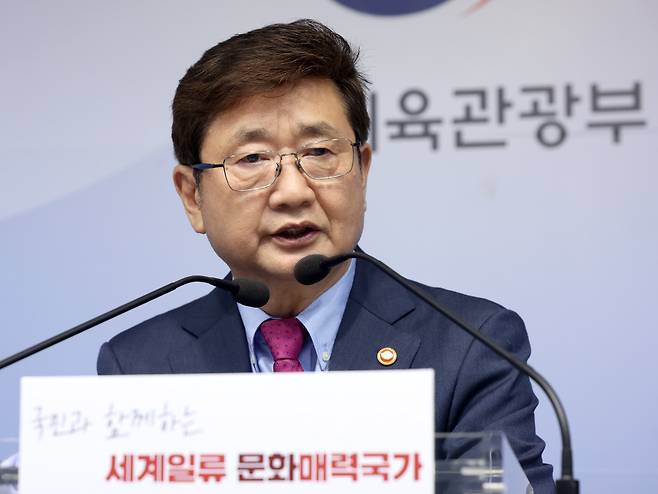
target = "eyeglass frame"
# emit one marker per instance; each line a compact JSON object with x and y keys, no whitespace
{"x":355,"y":145}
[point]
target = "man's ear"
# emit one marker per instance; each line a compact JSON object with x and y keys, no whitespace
{"x":366,"y":160}
{"x":190,"y":195}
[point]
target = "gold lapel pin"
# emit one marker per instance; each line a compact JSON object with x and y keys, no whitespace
{"x":387,"y":356}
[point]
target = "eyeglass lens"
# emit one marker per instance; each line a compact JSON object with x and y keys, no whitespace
{"x":320,"y":160}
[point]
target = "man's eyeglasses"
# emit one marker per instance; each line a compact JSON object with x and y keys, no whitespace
{"x":253,"y":170}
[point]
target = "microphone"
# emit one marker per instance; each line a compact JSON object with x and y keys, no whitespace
{"x":244,"y":291}
{"x":314,"y":268}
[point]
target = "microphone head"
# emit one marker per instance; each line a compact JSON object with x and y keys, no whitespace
{"x":250,"y":292}
{"x":311,"y":269}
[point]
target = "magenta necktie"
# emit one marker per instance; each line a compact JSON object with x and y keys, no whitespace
{"x":285,"y":337}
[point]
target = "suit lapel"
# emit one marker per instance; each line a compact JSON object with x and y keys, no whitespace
{"x":375,"y":304}
{"x":219,"y":343}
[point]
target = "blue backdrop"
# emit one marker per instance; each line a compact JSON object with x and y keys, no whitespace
{"x":546,"y":203}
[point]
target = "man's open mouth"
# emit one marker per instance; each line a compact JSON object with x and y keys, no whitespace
{"x":295,"y":232}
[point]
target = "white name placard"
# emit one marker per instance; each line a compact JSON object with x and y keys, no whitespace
{"x":344,"y":432}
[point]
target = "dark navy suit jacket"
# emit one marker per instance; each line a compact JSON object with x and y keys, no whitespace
{"x":475,"y":389}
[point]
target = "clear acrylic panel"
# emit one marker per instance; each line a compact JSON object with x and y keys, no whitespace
{"x":8,"y":465}
{"x":478,"y":463}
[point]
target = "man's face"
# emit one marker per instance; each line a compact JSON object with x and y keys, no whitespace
{"x":262,"y":234}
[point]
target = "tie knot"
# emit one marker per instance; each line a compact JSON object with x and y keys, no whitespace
{"x":285,"y":338}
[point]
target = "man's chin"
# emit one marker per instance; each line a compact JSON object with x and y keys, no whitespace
{"x":280,"y":270}
{"x":278,"y":266}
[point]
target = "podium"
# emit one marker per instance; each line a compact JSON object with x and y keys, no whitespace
{"x":149,"y":434}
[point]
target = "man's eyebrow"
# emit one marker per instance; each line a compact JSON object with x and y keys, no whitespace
{"x":246,"y":135}
{"x":313,"y":130}
{"x":317,"y":129}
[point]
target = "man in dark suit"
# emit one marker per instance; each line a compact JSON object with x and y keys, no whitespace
{"x":270,"y":129}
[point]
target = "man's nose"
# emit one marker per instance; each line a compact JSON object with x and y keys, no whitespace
{"x":292,"y":188}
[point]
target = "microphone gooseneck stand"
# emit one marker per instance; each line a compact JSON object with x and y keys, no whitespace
{"x":246,"y":292}
{"x":314,"y":268}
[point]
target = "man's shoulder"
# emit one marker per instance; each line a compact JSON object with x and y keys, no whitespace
{"x":442,"y":343}
{"x":489,"y":318}
{"x":377,"y":289}
{"x":472,"y":309}
{"x":168,"y":324}
{"x":146,"y":346}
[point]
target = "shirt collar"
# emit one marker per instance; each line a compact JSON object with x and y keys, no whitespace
{"x":321,"y":319}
